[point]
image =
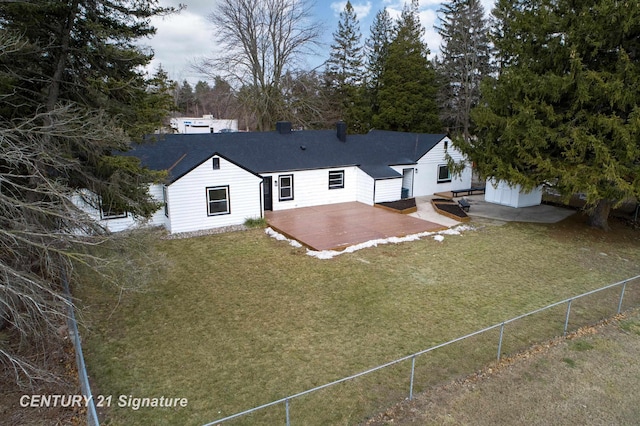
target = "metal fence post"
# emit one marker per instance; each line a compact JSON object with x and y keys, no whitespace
{"x":413,"y":369}
{"x":624,"y":285}
{"x":500,"y":341}
{"x":286,"y":407}
{"x":566,"y":320}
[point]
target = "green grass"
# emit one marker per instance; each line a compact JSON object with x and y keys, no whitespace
{"x":240,"y":319}
{"x":259,"y":222}
{"x":580,"y":346}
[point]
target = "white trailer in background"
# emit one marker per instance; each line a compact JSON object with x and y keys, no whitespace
{"x":204,"y":124}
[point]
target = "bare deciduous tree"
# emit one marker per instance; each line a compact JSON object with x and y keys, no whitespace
{"x":43,"y":232}
{"x":259,"y":41}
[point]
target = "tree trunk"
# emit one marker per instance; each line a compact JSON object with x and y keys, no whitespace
{"x":598,"y":217}
{"x":61,"y":62}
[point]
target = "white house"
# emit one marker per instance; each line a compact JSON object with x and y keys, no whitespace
{"x":204,"y":124}
{"x":218,"y":180}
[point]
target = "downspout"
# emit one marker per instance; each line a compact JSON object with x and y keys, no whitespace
{"x":261,"y":197}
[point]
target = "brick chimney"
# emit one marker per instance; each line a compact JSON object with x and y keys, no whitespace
{"x":341,"y":128}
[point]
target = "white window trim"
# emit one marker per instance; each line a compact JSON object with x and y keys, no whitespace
{"x":209,"y":201}
{"x":448,"y":178}
{"x":104,"y":215}
{"x":281,"y":187}
{"x":165,"y":199}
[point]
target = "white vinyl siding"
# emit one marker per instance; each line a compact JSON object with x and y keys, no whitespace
{"x":310,"y":188}
{"x":388,"y":189}
{"x":511,"y":195}
{"x":425,"y":180}
{"x":125,"y":222}
{"x":188,"y":204}
{"x":364,"y":191}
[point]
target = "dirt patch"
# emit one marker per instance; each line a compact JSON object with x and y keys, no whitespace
{"x":590,"y":377}
{"x":450,"y":209}
{"x":406,"y":206}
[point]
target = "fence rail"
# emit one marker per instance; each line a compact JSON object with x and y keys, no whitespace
{"x":501,"y":326}
{"x":92,"y":415}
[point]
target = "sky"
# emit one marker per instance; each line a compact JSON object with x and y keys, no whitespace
{"x":184,"y":38}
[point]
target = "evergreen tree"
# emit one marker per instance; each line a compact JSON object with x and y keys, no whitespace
{"x":465,"y":61}
{"x":185,"y":99}
{"x":377,"y":51}
{"x":408,"y":92}
{"x":84,"y":53}
{"x":80,"y":51}
{"x":564,"y":108}
{"x":344,"y":69}
{"x":72,"y":92}
{"x":202,"y":98}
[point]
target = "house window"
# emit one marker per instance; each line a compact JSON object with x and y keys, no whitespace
{"x":218,"y":200}
{"x":443,"y":174}
{"x":110,"y":210}
{"x":285,"y":183}
{"x":216,"y":163}
{"x":336,"y":179}
{"x":165,"y":200}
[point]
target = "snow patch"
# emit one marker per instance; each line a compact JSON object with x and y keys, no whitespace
{"x":329,"y":254}
{"x":273,"y":234}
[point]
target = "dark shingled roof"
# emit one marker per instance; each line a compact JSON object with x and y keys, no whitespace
{"x":265,"y":152}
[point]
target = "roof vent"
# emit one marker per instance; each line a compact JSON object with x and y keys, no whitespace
{"x":341,"y":128}
{"x":283,"y":127}
{"x":303,"y":147}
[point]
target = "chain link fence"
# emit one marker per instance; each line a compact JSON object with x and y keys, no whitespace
{"x":461,"y":356}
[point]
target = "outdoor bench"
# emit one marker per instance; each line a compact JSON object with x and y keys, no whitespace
{"x":468,"y":191}
{"x":464,"y":204}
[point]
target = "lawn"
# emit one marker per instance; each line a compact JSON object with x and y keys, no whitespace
{"x":590,"y":378}
{"x":239,"y":319}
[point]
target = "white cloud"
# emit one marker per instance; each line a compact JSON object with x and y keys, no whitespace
{"x":362,"y":10}
{"x":183,"y":38}
{"x":179,"y":41}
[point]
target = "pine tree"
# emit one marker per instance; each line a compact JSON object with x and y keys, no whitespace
{"x":377,"y":51}
{"x":72,"y":92}
{"x":465,"y":60}
{"x":84,"y":53}
{"x":344,"y":69}
{"x":564,"y":108}
{"x":408,"y":92}
{"x":185,"y":99}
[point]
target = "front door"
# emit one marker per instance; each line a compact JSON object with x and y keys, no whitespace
{"x":266,"y":189}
